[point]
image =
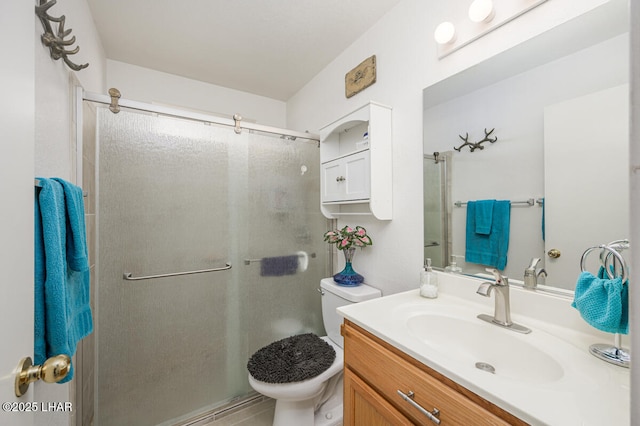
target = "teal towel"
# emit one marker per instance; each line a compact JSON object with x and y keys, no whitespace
{"x":489,"y":249}
{"x":603,"y":302}
{"x":62,"y":311}
{"x":484,"y":216}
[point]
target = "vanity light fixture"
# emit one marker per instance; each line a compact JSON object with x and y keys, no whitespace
{"x":445,"y":33}
{"x":483,"y":18}
{"x":481,"y":11}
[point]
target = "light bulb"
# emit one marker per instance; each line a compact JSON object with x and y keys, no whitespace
{"x":481,"y":11}
{"x":445,"y":33}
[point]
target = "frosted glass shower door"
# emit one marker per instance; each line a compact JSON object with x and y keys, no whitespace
{"x":282,"y":219}
{"x":174,"y":196}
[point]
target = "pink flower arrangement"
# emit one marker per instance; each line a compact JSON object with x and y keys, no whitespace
{"x":348,"y":237}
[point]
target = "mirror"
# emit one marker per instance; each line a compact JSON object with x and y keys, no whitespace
{"x":557,"y":142}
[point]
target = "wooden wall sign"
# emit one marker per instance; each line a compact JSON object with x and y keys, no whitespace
{"x":361,"y":77}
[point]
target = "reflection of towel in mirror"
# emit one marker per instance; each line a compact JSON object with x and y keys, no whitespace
{"x":279,"y":266}
{"x":489,"y":249}
{"x":603,"y":302}
{"x":484,"y":216}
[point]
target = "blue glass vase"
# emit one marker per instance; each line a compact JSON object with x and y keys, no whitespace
{"x":348,"y":277}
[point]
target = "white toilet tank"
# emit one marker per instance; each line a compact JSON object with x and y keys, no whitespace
{"x":334,"y":296}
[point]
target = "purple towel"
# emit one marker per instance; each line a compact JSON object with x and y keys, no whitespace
{"x":279,"y":266}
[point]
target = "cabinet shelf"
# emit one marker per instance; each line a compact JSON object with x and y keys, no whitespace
{"x":356,"y":164}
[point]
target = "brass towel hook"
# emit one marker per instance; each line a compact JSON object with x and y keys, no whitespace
{"x":52,"y":370}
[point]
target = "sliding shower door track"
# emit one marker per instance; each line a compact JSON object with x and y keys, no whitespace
{"x":232,"y":407}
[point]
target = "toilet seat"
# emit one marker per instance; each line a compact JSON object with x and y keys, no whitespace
{"x":306,"y":389}
{"x":292,"y":359}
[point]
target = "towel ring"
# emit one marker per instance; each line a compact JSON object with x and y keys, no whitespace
{"x":612,"y":252}
{"x":617,"y":245}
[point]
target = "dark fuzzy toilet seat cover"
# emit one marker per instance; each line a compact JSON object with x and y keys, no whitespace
{"x":292,"y":359}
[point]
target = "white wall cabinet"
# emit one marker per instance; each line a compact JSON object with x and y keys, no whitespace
{"x":356,"y":164}
{"x":347,"y":178}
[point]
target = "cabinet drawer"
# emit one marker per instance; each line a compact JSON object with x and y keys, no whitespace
{"x":387,"y":372}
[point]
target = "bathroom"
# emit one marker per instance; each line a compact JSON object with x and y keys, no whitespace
{"x":39,"y":117}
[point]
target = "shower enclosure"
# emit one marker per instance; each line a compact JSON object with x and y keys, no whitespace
{"x":182,"y":196}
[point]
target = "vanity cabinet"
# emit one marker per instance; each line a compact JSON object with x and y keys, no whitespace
{"x":355,"y":157}
{"x":376,"y":374}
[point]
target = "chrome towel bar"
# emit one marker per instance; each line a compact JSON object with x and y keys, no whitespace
{"x":530,"y":202}
{"x":129,"y":275}
{"x":250,"y":261}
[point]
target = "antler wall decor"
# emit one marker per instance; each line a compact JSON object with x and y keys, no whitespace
{"x":476,"y":145}
{"x":55,"y":41}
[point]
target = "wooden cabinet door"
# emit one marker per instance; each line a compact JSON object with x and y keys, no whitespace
{"x":364,"y":407}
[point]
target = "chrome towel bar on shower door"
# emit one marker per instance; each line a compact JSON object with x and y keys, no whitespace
{"x":129,"y":275}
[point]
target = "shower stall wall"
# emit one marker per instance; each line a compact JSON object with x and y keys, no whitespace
{"x":177,"y":195}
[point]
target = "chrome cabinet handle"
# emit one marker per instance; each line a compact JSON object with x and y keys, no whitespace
{"x":340,"y":179}
{"x":431,"y":415}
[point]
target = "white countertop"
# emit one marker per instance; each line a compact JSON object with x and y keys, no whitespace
{"x":557,"y":382}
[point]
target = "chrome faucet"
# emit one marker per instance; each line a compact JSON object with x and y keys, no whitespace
{"x":531,"y":274}
{"x":502,"y":311}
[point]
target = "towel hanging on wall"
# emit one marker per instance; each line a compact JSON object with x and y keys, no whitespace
{"x":62,"y":294}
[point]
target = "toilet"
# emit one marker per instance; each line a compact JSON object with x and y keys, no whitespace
{"x":317,"y":401}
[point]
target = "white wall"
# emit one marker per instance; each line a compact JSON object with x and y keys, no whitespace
{"x":55,"y":152}
{"x":394,"y":261}
{"x":16,"y":190}
{"x":406,"y":63}
{"x":147,"y":85}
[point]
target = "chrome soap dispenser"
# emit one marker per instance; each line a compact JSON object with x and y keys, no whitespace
{"x":428,"y":281}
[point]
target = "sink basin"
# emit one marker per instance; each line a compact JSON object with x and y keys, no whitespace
{"x":477,"y":344}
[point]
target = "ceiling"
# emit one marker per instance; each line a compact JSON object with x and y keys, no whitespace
{"x":265,"y":47}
